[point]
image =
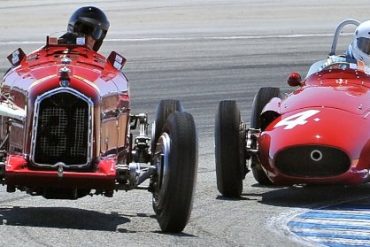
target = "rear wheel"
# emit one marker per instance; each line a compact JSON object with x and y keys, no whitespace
{"x":164,"y":109}
{"x":263,"y":96}
{"x":229,"y":149}
{"x":175,"y":157}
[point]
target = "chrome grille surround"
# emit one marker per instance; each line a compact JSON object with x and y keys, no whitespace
{"x":60,"y":118}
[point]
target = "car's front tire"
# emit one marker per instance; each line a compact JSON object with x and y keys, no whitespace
{"x":176,"y":159}
{"x":229,"y":149}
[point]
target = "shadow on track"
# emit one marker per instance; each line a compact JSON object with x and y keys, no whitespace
{"x":61,"y":217}
{"x":242,"y":198}
{"x":71,"y":218}
{"x":308,"y":196}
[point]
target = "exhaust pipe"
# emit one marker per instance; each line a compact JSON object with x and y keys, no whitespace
{"x":10,"y":110}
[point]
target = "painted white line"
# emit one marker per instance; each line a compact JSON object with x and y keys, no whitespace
{"x":21,"y":42}
{"x":344,"y":211}
{"x":339,"y":242}
{"x":344,"y":233}
{"x":340,"y":224}
{"x":195,"y":38}
{"x":333,"y":221}
{"x":279,"y":226}
{"x":242,"y":37}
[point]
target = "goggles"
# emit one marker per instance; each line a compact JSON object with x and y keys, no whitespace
{"x":94,"y":31}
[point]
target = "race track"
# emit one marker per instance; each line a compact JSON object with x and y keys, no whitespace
{"x":199,"y":52}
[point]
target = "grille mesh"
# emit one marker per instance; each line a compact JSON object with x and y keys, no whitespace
{"x":298,"y":161}
{"x":62,"y":134}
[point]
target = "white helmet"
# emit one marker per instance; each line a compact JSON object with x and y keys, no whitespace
{"x":360,"y":46}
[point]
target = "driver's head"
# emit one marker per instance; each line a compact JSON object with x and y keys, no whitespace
{"x":90,"y":22}
{"x":361,"y":44}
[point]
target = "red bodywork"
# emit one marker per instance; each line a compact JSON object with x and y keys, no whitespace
{"x":330,"y":111}
{"x":100,"y":85}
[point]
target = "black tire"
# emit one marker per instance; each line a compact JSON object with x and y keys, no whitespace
{"x":164,"y":109}
{"x":263,"y":96}
{"x":176,"y":157}
{"x":229,"y":150}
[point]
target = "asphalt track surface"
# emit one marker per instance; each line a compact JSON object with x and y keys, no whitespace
{"x":199,"y":52}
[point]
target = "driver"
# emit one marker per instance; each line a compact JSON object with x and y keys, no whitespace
{"x":88,"y":22}
{"x":359,"y":49}
{"x":357,"y":53}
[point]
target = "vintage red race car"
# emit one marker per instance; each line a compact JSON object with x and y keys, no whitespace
{"x":318,"y":134}
{"x":65,"y":130}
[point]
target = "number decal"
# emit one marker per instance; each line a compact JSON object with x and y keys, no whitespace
{"x":296,"y":119}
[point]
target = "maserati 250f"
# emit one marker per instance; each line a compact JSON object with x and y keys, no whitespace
{"x":318,"y":134}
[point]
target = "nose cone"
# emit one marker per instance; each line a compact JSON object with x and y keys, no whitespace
{"x":321,"y":126}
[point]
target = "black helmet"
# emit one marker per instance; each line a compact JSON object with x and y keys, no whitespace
{"x":89,"y":21}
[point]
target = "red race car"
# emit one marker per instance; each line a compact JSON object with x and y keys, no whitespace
{"x":65,"y":130}
{"x":318,"y":134}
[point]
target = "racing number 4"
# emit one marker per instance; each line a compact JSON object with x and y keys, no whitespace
{"x":296,"y":119}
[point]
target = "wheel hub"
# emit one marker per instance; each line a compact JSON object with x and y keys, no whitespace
{"x":161,"y":161}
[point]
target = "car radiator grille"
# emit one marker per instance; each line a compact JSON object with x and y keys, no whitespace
{"x":312,"y":161}
{"x":62,"y":130}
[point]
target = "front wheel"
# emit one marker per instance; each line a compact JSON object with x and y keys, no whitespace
{"x":175,"y":157}
{"x":229,"y":149}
